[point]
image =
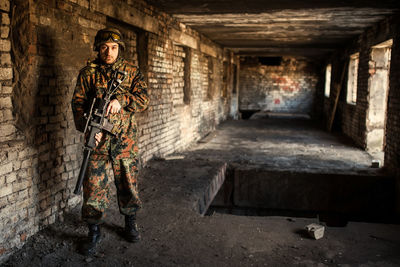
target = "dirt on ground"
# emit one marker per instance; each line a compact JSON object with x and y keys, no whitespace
{"x":175,"y":234}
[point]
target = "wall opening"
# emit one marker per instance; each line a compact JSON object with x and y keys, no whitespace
{"x":378,"y":87}
{"x":210,"y":77}
{"x":178,"y":73}
{"x":235,"y":73}
{"x":142,"y":41}
{"x":186,"y":75}
{"x":135,"y":40}
{"x":224,"y":91}
{"x":270,"y":61}
{"x":352,"y":77}
{"x":233,"y":70}
{"x":181,"y":70}
{"x":130,"y":37}
{"x":328,"y":73}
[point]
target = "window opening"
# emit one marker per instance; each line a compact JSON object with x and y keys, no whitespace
{"x":328,"y":72}
{"x":352,"y":79}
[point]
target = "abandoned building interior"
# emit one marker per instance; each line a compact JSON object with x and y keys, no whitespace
{"x":264,"y":117}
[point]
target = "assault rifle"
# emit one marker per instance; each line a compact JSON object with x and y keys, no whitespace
{"x":96,"y":122}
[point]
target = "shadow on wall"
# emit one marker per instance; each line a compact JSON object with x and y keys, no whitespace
{"x":25,"y":86}
{"x":50,"y":128}
{"x":41,"y":99}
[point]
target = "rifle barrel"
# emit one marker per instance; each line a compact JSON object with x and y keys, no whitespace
{"x":82,"y":172}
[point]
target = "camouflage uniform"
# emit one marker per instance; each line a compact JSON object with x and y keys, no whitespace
{"x":119,"y":150}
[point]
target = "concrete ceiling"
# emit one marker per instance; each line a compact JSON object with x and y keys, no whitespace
{"x":279,"y":27}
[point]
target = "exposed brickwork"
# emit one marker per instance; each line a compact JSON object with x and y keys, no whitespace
{"x":178,"y":70}
{"x":193,"y":86}
{"x":289,"y":87}
{"x":40,"y":150}
{"x":16,"y":207}
{"x":7,"y":127}
{"x":352,"y":119}
{"x":392,"y":150}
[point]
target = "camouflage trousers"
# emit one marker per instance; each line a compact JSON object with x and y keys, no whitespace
{"x":96,"y":187}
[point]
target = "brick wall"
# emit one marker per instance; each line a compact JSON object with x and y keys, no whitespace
{"x":392,"y":150}
{"x":289,"y":87}
{"x":7,"y":129}
{"x":14,"y":162}
{"x":352,"y":119}
{"x":40,"y":150}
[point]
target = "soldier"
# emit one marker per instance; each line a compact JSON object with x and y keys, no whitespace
{"x":119,"y":149}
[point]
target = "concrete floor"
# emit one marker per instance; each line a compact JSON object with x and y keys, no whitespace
{"x":282,"y":142}
{"x":174,"y":189}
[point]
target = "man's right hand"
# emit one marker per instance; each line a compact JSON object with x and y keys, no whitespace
{"x":113,"y":107}
{"x":98,"y":137}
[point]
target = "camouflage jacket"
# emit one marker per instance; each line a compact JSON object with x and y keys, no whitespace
{"x":132,"y":95}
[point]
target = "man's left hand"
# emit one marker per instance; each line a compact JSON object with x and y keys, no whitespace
{"x":113,"y":107}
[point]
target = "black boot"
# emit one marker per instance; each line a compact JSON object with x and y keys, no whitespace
{"x":131,"y":232}
{"x":88,"y":246}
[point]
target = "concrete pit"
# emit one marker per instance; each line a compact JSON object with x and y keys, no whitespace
{"x":331,"y":197}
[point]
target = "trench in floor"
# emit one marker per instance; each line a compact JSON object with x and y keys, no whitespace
{"x":333,"y":198}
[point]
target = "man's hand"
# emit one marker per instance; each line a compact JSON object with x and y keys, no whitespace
{"x":98,"y":137}
{"x":113,"y":107}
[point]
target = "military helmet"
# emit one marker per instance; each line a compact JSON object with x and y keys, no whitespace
{"x":108,"y":35}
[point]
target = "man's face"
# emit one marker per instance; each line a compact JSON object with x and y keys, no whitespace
{"x":109,"y":52}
